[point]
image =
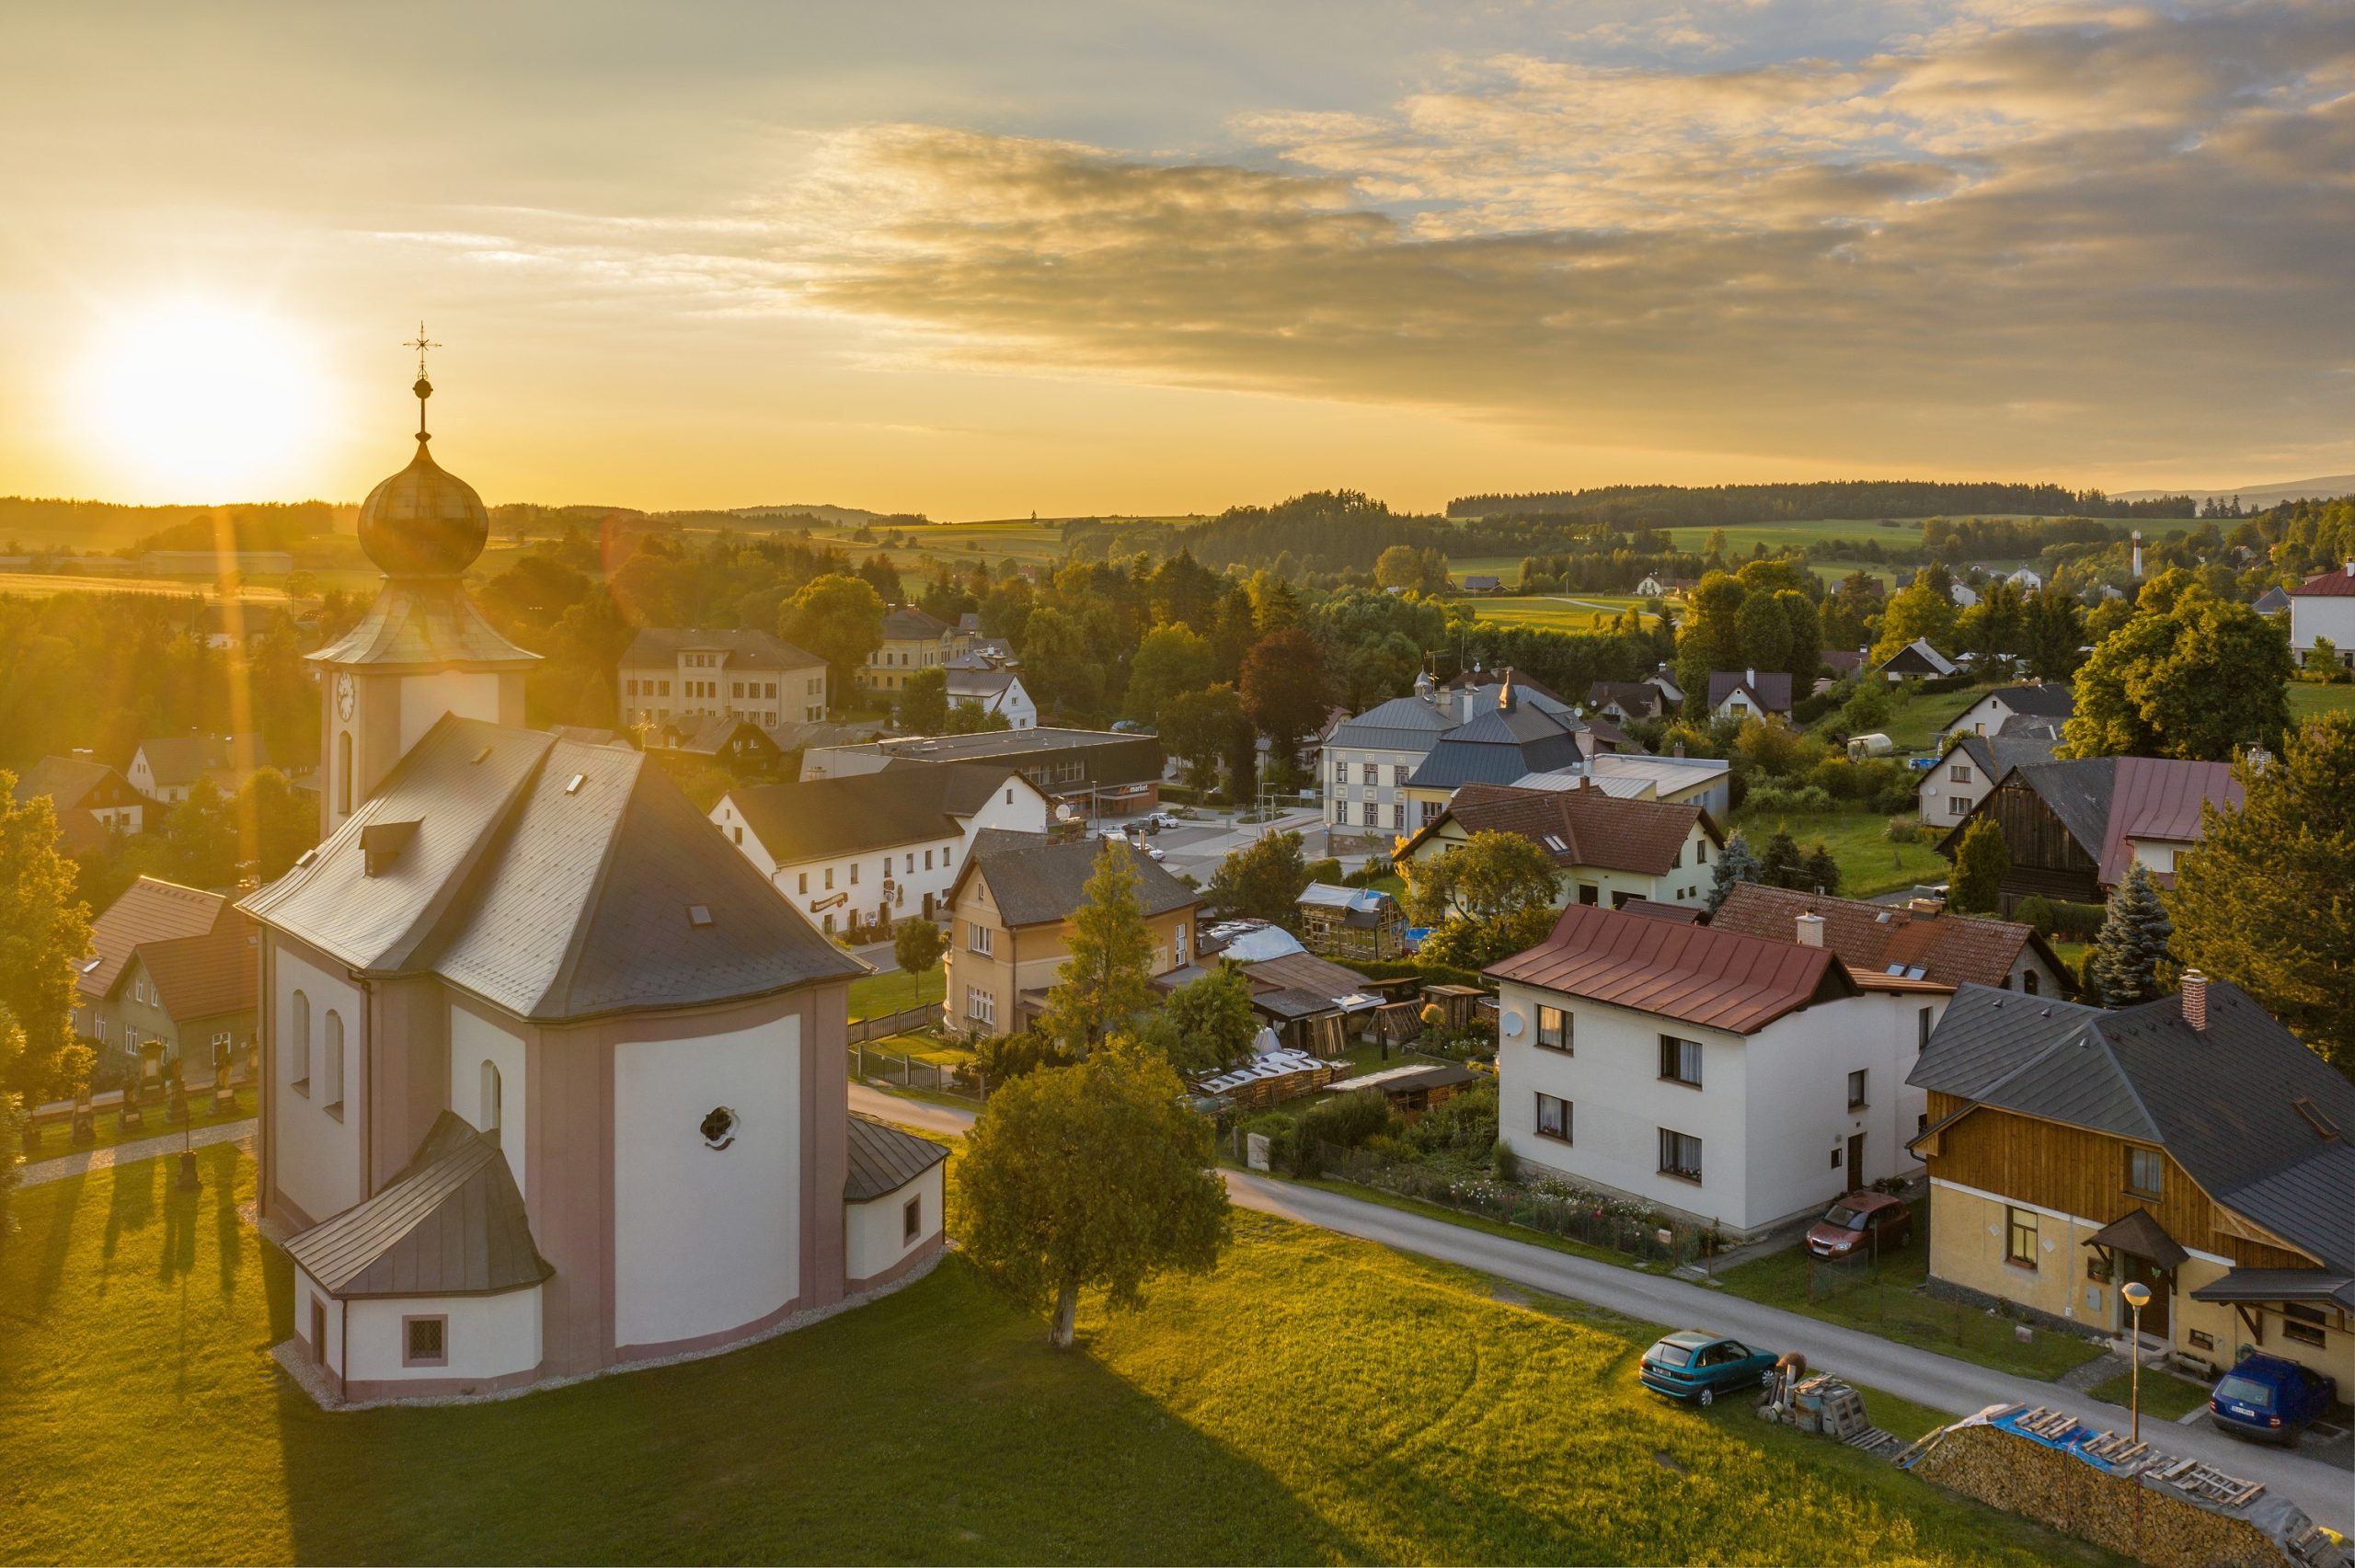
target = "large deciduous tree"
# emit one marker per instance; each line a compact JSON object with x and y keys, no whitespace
{"x":916,"y":947}
{"x":2268,"y":901}
{"x":1207,"y":728}
{"x":2188,"y":675}
{"x":1263,"y":879}
{"x":1284,"y":688}
{"x":1090,"y":1177}
{"x":840,"y":619}
{"x":1106,"y":974}
{"x":1208,"y":1024}
{"x":1981,"y":861}
{"x":1171,"y":661}
{"x":44,"y":935}
{"x":1922,"y":610}
{"x":923,"y":702}
{"x":2132,"y":943}
{"x":1489,"y":874}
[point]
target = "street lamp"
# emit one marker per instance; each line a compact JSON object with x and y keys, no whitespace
{"x":2137,"y":1296}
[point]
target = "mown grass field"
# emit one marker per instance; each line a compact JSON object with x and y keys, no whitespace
{"x":56,"y":1137}
{"x":2166,"y":1397}
{"x":1869,"y":863}
{"x":2308,"y":700}
{"x":1552,"y":613}
{"x":1316,"y":1400}
{"x":1920,"y":715}
{"x":1886,"y":1301}
{"x":894,"y":990}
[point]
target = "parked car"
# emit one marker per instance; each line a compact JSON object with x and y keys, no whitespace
{"x":1697,"y":1366}
{"x":1866,"y":1222}
{"x":1160,"y":819}
{"x":2268,"y":1398}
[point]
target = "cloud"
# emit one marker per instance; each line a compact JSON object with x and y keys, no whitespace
{"x":2123,"y":229}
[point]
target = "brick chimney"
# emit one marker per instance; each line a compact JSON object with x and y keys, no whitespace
{"x":2195,"y":999}
{"x":1811,"y":930}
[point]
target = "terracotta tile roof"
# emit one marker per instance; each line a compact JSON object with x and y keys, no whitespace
{"x":1578,"y":827}
{"x":204,"y":976}
{"x":1869,"y":938}
{"x":1722,"y":979}
{"x":149,"y":911}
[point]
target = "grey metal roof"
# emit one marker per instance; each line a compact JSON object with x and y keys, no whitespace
{"x":2223,"y":1101}
{"x":451,"y":1224}
{"x":1498,"y":746}
{"x":2279,"y":1285}
{"x":548,"y":897}
{"x":1402,"y":724}
{"x":2052,"y":700}
{"x":1032,"y":882}
{"x":424,"y":624}
{"x":2078,"y":790}
{"x":906,"y":803}
{"x":883,"y":1159}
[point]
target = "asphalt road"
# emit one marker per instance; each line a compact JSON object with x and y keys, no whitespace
{"x":2325,"y":1491}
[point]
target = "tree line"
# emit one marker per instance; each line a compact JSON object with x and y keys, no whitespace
{"x":1729,"y":505}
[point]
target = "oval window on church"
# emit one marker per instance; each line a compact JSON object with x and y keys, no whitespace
{"x":719,"y":1128}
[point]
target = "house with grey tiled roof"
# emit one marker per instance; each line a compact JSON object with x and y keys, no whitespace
{"x":2191,"y":1143}
{"x":552,"y":1078}
{"x":1745,"y":694}
{"x":1970,"y":766}
{"x":674,"y":680}
{"x":2072,"y":827}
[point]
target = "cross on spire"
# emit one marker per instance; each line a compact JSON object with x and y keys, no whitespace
{"x":424,"y":388}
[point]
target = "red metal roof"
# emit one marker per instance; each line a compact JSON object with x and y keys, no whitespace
{"x":2159,"y":797}
{"x":2336,"y":583}
{"x":1722,"y":980}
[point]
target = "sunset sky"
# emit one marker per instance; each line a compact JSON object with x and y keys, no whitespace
{"x":980,"y":260}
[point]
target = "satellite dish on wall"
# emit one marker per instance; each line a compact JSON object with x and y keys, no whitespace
{"x":1513,"y":1023}
{"x":1064,"y":813}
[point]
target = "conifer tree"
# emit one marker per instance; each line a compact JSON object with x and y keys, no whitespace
{"x":1735,"y":865}
{"x":1106,"y":979}
{"x":1781,"y":866}
{"x":2132,"y":943}
{"x":1980,"y":863}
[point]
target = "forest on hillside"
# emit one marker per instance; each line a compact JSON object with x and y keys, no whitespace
{"x":1727,"y":505}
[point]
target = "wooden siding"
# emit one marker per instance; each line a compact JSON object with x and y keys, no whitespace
{"x":2069,"y":1169}
{"x":2046,"y":859}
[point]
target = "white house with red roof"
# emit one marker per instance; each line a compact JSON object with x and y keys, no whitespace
{"x":2323,"y":606}
{"x":1730,"y":1078}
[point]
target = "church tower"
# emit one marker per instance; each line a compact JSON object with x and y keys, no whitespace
{"x":422,"y":649}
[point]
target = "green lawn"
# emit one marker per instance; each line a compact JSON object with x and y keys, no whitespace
{"x":2307,"y":699}
{"x":1553,"y":613}
{"x":2166,"y":1397}
{"x":1890,"y":1304}
{"x":892,"y":991}
{"x":1318,"y":1399}
{"x":56,"y":1137}
{"x":921,"y":1048}
{"x":1869,"y":863}
{"x":1920,"y":716}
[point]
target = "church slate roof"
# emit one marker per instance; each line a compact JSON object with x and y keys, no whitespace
{"x":424,"y":624}
{"x":452,"y":1223}
{"x":551,"y":878}
{"x":883,"y":1159}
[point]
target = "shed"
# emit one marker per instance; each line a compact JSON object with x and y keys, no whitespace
{"x":1413,"y":1088}
{"x":1351,"y":922}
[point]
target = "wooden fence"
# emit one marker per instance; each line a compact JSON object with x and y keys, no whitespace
{"x":875,"y":1029}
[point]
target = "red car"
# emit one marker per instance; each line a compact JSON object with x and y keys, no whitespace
{"x":1863,"y":1223}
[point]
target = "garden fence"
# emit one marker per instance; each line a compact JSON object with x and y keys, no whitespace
{"x":1641,"y":1238}
{"x":904,"y":1071}
{"x":887,"y":1024}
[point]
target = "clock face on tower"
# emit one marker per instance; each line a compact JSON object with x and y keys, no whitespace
{"x":343,"y":696}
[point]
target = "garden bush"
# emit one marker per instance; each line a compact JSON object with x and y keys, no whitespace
{"x":1347,"y":1120}
{"x":1796,"y":800}
{"x":1328,"y":870}
{"x":1465,"y":1124}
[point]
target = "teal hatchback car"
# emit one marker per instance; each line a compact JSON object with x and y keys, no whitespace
{"x":1696,"y":1366}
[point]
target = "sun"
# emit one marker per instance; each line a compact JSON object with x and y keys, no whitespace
{"x":202,"y":402}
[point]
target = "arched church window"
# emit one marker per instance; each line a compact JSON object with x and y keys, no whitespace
{"x":490,"y":1105}
{"x":298,"y":1042}
{"x":343,"y":773}
{"x":331,"y":1065}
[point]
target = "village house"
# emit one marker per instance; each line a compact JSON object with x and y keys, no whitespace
{"x":2072,"y":827}
{"x":1503,"y":734}
{"x":1628,"y":701}
{"x":1373,"y":766}
{"x":170,"y":978}
{"x":1917,"y":660}
{"x":912,"y":640}
{"x":1731,"y":1079}
{"x":1705,"y":782}
{"x":861,"y":852}
{"x":90,"y":800}
{"x":1606,"y":848}
{"x":1972,"y":763}
{"x":677,"y":679}
{"x":993,"y":691}
{"x":553,"y":1079}
{"x":2323,"y":606}
{"x":166,"y":768}
{"x":1920,"y":940}
{"x":2191,"y":1143}
{"x":1010,"y":904}
{"x":1750,"y":693}
{"x":733,"y":741}
{"x":2051,"y":703}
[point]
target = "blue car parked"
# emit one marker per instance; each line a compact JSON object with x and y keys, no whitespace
{"x":2268,"y":1397}
{"x":1700,"y":1366}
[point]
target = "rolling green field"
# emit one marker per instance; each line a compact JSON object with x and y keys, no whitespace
{"x":1565,"y":612}
{"x":1869,"y":863}
{"x":1317,"y":1400}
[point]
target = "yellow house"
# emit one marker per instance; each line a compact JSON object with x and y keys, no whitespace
{"x":1009,"y":924}
{"x":2191,"y":1143}
{"x":912,"y":640}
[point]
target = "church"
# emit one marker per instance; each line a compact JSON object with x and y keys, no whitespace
{"x":553,"y":1079}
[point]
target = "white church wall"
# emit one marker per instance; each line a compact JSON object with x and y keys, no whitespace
{"x":425,"y":698}
{"x":316,"y":1155}
{"x":487,"y":1336}
{"x":706,"y":1240}
{"x":474,"y":1040}
{"x":306,"y":1291}
{"x":874,"y":1232}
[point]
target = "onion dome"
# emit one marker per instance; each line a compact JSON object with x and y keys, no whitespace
{"x":424,"y":521}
